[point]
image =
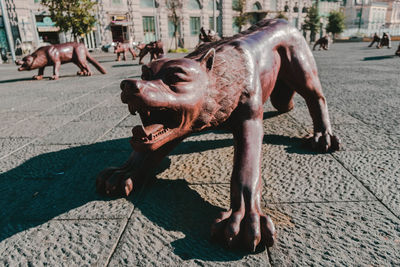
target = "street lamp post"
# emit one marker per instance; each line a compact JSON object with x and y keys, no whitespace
{"x":361,"y":11}
{"x":155,"y":20}
{"x":8,"y":29}
{"x":214,"y":13}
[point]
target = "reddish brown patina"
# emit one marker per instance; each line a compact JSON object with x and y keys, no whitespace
{"x":224,"y":84}
{"x":122,"y":48}
{"x":322,"y":42}
{"x":154,"y":48}
{"x":55,"y":55}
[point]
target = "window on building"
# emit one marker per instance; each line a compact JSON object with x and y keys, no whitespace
{"x":171,"y":28}
{"x":256,"y":6}
{"x":117,"y":2}
{"x":149,"y":29}
{"x":295,"y":8}
{"x":147,"y":3}
{"x":194,"y":25}
{"x":286,"y":8}
{"x":304,"y":10}
{"x":36,"y":1}
{"x":194,"y":5}
{"x":211,"y":5}
{"x":211,"y":23}
{"x":235,"y":4}
{"x":235,"y":28}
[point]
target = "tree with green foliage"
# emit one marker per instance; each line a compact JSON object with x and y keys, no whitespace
{"x":335,"y":23}
{"x":242,"y":18}
{"x":175,"y":16}
{"x":76,"y":16}
{"x":311,"y":23}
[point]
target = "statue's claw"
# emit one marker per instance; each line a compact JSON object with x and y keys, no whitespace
{"x":245,"y":232}
{"x":323,"y":142}
{"x":114,"y":182}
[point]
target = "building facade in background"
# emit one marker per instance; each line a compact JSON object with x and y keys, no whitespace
{"x":366,"y":17}
{"x":148,"y":20}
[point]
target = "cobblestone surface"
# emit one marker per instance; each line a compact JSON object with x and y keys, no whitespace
{"x":331,"y":209}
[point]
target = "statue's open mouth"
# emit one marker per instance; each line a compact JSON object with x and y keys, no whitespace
{"x":158,"y":124}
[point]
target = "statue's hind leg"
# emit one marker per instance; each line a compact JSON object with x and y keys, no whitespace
{"x":282,"y":96}
{"x":301,"y":73}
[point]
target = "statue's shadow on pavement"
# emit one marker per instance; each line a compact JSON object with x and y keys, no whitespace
{"x":61,"y":185}
{"x":379,"y":57}
{"x":125,"y":65}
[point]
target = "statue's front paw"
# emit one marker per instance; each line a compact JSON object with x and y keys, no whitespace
{"x":37,"y":77}
{"x":244,"y":231}
{"x":54,"y":77}
{"x":324,"y":142}
{"x":114,"y":182}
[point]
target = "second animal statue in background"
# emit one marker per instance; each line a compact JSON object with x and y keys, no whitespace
{"x":122,"y":48}
{"x":155,"y":49}
{"x":55,"y":55}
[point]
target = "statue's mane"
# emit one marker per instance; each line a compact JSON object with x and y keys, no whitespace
{"x":228,"y":79}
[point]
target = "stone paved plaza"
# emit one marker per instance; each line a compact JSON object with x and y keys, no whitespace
{"x":339,"y":209}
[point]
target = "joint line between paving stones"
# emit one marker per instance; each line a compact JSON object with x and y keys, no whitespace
{"x":370,"y":191}
{"x":269,"y":257}
{"x":114,"y":248}
{"x":320,"y":202}
{"x":354,"y":176}
{"x":56,"y":106}
{"x":37,"y":138}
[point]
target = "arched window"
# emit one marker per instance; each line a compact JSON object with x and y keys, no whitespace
{"x":257,"y":6}
{"x":286,"y":8}
{"x":194,"y":5}
{"x":211,"y":5}
{"x":295,"y":8}
{"x":304,"y":10}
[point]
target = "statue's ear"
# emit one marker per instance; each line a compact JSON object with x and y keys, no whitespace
{"x":208,"y":59}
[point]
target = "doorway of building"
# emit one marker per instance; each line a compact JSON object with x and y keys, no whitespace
{"x":119,"y":33}
{"x":49,"y":37}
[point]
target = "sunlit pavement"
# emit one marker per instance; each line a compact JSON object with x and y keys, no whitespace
{"x":329,"y":209}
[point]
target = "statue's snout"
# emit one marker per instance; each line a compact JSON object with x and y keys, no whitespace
{"x":129,"y":88}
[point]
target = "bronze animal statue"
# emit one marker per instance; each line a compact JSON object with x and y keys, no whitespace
{"x":223,"y":84}
{"x":375,"y":39}
{"x":55,"y":55}
{"x":211,"y":36}
{"x":323,"y":43}
{"x":398,"y":51}
{"x":385,"y":41}
{"x":122,"y":48}
{"x":155,"y":49}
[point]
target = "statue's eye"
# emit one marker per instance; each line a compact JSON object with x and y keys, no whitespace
{"x":174,"y":78}
{"x":146,"y":73}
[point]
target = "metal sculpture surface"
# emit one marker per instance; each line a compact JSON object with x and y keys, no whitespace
{"x":155,"y":49}
{"x":210,"y":36}
{"x":323,"y":43}
{"x":223,"y":84}
{"x":55,"y":55}
{"x":122,"y":48}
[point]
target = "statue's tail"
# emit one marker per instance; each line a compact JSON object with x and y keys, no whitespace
{"x":95,"y":63}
